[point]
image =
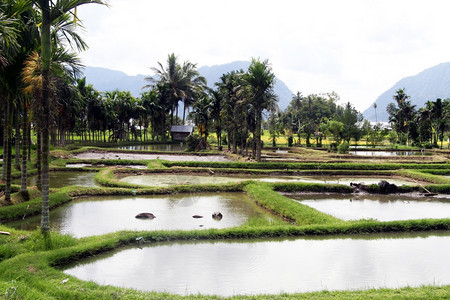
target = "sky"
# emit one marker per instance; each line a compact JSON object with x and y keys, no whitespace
{"x":358,"y":49}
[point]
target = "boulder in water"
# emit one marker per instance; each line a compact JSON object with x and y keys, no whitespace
{"x":217,"y":215}
{"x":145,"y":215}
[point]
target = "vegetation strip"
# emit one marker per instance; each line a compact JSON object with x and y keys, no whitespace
{"x":306,"y":166}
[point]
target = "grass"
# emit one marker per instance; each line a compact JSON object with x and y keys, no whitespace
{"x":306,"y":166}
{"x":29,"y":261}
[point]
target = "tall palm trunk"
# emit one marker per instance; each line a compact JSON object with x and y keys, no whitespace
{"x":7,"y":162}
{"x":46,"y":55}
{"x":23,"y":177}
{"x":258,"y":134}
{"x":39,"y":159}
{"x":5,"y":139}
{"x":29,"y":140}
{"x":17,"y":137}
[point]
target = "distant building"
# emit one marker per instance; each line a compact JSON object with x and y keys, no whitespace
{"x":181,"y":132}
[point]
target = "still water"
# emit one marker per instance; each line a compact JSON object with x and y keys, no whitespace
{"x":101,"y":215}
{"x":275,"y":266}
{"x":62,"y":179}
{"x":390,"y":153}
{"x":380,"y":207}
{"x":156,"y":147}
{"x":176,"y":179}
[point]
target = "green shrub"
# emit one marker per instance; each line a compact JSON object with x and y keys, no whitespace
{"x":343,"y":148}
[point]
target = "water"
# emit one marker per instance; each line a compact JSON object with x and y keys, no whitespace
{"x":380,"y":207}
{"x":275,"y":266}
{"x":155,"y":147}
{"x":389,"y":153}
{"x":62,"y":179}
{"x":140,"y":156}
{"x":165,"y":180}
{"x":101,"y":215}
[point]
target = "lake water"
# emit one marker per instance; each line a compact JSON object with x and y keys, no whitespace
{"x":101,"y":215}
{"x":228,"y":268}
{"x":380,"y":207}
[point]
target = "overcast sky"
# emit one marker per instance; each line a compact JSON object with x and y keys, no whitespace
{"x":358,"y":49}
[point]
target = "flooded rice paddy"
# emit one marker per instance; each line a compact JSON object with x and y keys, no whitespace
{"x":229,"y":268}
{"x":140,"y":156}
{"x":389,"y":153}
{"x":165,"y":180}
{"x":380,"y":207}
{"x":155,"y":147}
{"x":62,"y":179}
{"x":101,"y":215}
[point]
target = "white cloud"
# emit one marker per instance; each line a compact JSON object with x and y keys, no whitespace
{"x":356,"y":48}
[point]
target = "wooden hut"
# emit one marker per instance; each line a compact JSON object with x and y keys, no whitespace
{"x":181,"y":132}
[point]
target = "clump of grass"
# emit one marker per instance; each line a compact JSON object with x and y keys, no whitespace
{"x":301,"y":214}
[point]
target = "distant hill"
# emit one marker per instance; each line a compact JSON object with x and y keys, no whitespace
{"x":213,"y":74}
{"x":429,"y":84}
{"x":104,"y":79}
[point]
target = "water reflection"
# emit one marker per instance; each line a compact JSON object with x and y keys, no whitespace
{"x":176,"y":179}
{"x":390,"y":153}
{"x":62,"y":179}
{"x":380,"y":207}
{"x":274,"y":266}
{"x":100,"y":215}
{"x":155,"y":147}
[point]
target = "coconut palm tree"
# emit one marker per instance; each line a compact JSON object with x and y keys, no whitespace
{"x":183,"y":82}
{"x":260,"y":81}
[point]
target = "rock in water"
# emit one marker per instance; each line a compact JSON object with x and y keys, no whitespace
{"x":217,"y":215}
{"x":386,"y":187}
{"x":145,"y":215}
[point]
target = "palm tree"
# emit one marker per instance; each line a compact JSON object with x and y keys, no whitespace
{"x":182,"y":82}
{"x":375,"y":107}
{"x":50,"y":15}
{"x":260,"y":80}
{"x":216,"y":115}
{"x":16,"y":41}
{"x":8,"y":34}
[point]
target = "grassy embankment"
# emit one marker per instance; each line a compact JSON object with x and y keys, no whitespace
{"x":28,"y":260}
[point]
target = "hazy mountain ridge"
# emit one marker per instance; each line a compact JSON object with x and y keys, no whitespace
{"x":430,"y":84}
{"x":104,"y":79}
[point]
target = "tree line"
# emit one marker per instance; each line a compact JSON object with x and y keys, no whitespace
{"x":38,"y":67}
{"x":42,"y":91}
{"x":425,"y":126}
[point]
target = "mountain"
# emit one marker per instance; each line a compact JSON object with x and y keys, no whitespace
{"x":429,"y":84}
{"x":213,"y":74}
{"x":104,"y":79}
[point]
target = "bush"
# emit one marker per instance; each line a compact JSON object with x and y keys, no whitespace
{"x":192,"y":142}
{"x":343,"y":148}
